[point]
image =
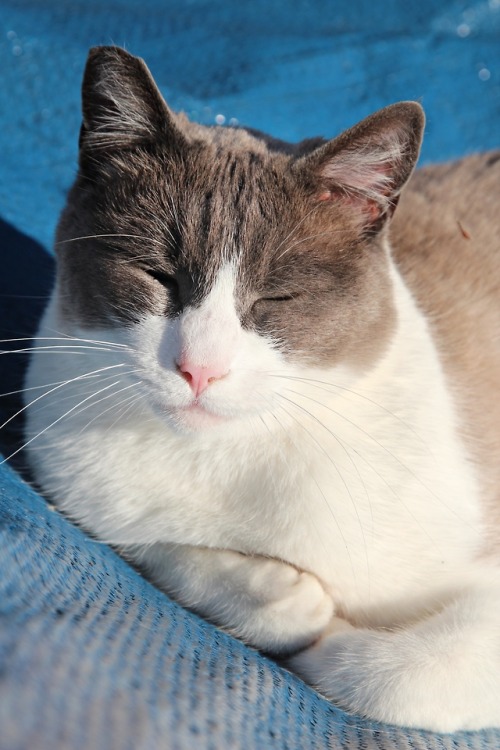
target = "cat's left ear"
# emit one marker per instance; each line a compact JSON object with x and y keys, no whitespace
{"x":366,"y":167}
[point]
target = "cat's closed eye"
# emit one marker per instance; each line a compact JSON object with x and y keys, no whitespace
{"x":269,"y":302}
{"x":278,"y":298}
{"x":168,"y":281}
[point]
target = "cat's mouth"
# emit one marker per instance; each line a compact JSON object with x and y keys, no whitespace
{"x":196,"y":416}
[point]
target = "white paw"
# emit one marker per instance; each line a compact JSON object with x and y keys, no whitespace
{"x":290,"y":607}
{"x":380,"y":676}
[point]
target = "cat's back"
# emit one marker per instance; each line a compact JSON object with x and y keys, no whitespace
{"x":446,"y":241}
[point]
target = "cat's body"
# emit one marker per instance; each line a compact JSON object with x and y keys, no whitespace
{"x":445,"y":240}
{"x":312,"y":452}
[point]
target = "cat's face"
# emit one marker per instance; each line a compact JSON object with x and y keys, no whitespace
{"x":223,"y":259}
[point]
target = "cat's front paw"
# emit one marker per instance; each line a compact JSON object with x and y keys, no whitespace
{"x":291,"y":609}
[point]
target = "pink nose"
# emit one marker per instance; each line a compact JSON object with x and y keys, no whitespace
{"x":199,"y":378}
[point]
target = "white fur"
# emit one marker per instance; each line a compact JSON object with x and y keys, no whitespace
{"x":358,"y":479}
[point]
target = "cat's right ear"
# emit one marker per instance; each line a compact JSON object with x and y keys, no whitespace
{"x":122,"y":106}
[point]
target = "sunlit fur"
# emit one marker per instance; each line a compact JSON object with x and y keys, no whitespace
{"x":317,"y":495}
{"x":359,"y":480}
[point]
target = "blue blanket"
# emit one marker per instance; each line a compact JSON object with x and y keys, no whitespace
{"x":91,"y":655}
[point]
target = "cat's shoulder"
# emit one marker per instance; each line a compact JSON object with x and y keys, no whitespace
{"x":446,"y":234}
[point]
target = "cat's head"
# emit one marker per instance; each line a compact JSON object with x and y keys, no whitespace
{"x":221,"y":256}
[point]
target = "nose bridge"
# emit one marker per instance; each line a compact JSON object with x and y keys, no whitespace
{"x":209,"y":333}
{"x":207,"y":339}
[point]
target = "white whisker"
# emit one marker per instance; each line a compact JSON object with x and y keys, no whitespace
{"x":297,"y":225}
{"x":59,"y":385}
{"x":389,"y":452}
{"x":339,"y":473}
{"x":135,"y":398}
{"x":104,"y":236}
{"x":64,"y":338}
{"x":104,"y":398}
{"x":305,"y":239}
{"x":84,"y":392}
{"x":327,"y":386}
{"x":319,"y":535}
{"x":28,"y":442}
{"x":69,"y":349}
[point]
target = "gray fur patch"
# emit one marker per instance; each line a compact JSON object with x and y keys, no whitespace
{"x":160,"y":204}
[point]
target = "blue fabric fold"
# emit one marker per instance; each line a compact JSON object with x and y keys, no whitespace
{"x":93,"y":657}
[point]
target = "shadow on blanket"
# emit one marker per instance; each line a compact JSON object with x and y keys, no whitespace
{"x":25,"y":285}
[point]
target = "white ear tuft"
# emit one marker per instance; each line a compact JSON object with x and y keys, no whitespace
{"x":368,"y":165}
{"x":367,"y":171}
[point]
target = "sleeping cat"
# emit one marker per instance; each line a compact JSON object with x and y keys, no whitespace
{"x":291,"y":425}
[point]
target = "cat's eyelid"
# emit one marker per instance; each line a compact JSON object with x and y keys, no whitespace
{"x":281,"y":297}
{"x":164,"y":278}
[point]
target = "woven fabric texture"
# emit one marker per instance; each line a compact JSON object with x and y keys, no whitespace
{"x":92,"y":657}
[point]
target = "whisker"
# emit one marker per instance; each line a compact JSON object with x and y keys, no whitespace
{"x":265,"y":424}
{"x":335,"y":437}
{"x":56,"y":349}
{"x":339,"y":473}
{"x":103,"y":236}
{"x":104,"y":398}
{"x":175,"y":213}
{"x":319,"y":383}
{"x":86,"y":391}
{"x":52,"y":390}
{"x":305,"y":239}
{"x":134,"y":398}
{"x":390,"y":453}
{"x":64,"y":338}
{"x":45,"y":429}
{"x":36,"y":387}
{"x":69,"y":337}
{"x":393,"y":491}
{"x":357,"y":427}
{"x":320,"y":536}
{"x":389,"y":486}
{"x":297,"y":225}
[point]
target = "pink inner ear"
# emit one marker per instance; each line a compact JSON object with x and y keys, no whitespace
{"x":364,"y":175}
{"x":360,"y":175}
{"x":357,"y":201}
{"x":363,"y":178}
{"x":325,"y":196}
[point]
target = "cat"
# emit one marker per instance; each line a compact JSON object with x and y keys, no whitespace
{"x":278,"y":399}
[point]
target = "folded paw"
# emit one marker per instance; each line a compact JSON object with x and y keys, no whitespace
{"x":281,"y":609}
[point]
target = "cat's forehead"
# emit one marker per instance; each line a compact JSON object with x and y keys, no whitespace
{"x":233,"y":204}
{"x":228,"y":197}
{"x":238,"y":165}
